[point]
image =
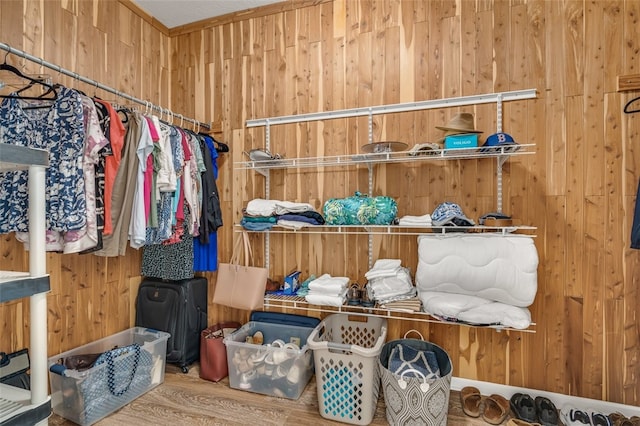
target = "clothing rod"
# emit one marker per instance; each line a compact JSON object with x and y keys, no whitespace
{"x":98,"y":85}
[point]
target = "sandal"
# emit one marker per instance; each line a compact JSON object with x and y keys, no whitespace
{"x":470,"y":398}
{"x":618,"y":419}
{"x":599,"y":419}
{"x":496,"y":409}
{"x":546,"y":411}
{"x":523,"y":406}
{"x":575,"y":417}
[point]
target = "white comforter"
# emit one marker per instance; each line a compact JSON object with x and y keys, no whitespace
{"x":474,"y":310}
{"x":500,"y":268}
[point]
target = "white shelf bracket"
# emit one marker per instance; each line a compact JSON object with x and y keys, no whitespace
{"x":267,"y":191}
{"x":499,"y":162}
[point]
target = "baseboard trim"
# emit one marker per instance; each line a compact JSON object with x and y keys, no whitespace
{"x":560,"y":400}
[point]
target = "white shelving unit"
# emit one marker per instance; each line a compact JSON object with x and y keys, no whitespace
{"x":500,"y":154}
{"x":19,"y":406}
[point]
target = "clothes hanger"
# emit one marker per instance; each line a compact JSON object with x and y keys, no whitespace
{"x":220,"y":147}
{"x":50,"y":88}
{"x":626,"y":107}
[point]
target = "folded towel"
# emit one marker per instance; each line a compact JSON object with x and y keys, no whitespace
{"x":261,"y":207}
{"x":284,"y":207}
{"x":322,"y":299}
{"x":327,"y":279}
{"x":373,"y":273}
{"x":385,"y":287}
{"x":292,"y":224}
{"x":383,"y":268}
{"x":424,"y":220}
{"x":387,"y":264}
{"x":331,"y":288}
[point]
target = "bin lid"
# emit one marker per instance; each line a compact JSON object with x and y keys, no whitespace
{"x":284,"y":319}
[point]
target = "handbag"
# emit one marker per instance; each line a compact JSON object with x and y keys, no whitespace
{"x":240,"y":286}
{"x":213,"y":352}
{"x":80,"y":362}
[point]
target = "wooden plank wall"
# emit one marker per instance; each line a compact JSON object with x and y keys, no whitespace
{"x":579,"y":188}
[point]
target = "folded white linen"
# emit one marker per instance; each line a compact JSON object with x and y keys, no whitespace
{"x":284,"y":207}
{"x":326,"y":300}
{"x":408,"y":220}
{"x":373,"y":274}
{"x":383,"y":268}
{"x":261,"y":207}
{"x":330,"y":288}
{"x":292,"y":224}
{"x":386,"y":287}
{"x":325,"y":279}
{"x":386,"y":264}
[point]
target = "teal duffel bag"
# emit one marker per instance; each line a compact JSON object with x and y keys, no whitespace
{"x":360,"y":210}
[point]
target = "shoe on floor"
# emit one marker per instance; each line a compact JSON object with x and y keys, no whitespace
{"x":524,"y":407}
{"x":470,"y":398}
{"x":599,"y":419}
{"x":546,"y":411}
{"x":572,"y":416}
{"x":496,"y":409}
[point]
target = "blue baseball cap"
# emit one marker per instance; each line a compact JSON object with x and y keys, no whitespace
{"x":498,"y":140}
{"x":450,"y":214}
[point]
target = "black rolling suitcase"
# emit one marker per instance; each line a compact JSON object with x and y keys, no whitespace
{"x":180,"y":309}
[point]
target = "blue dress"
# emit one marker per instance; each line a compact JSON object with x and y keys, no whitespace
{"x":58,"y":129}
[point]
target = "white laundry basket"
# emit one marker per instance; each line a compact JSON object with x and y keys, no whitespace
{"x":345,"y":352}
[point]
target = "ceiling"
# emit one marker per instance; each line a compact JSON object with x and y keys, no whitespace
{"x":174,"y":13}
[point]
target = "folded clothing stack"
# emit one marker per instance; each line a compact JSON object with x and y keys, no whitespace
{"x":260,"y":215}
{"x":388,"y":281}
{"x":327,"y":290}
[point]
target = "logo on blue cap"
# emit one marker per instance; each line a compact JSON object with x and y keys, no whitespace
{"x":498,"y":140}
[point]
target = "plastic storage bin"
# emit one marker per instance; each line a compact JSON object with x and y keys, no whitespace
{"x":345,"y":351}
{"x":73,"y":391}
{"x":274,"y":367}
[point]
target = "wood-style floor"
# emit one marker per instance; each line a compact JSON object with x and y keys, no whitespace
{"x":185,"y":399}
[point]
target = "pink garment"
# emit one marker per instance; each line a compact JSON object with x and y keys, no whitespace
{"x":186,"y":175}
{"x":148,"y":173}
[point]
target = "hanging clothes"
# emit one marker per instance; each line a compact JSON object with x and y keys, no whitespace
{"x":57,"y":128}
{"x":206,"y":246}
{"x":87,"y":237}
{"x":124,"y":186}
{"x":112,"y":162}
{"x":635,"y":228}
